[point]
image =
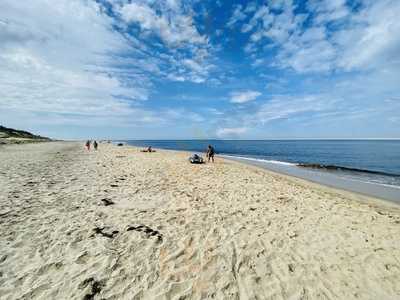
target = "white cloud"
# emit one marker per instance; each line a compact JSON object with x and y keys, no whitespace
{"x":181,"y":114}
{"x":183,"y":53}
{"x":328,"y":10}
{"x":175,"y":77}
{"x":364,"y":39}
{"x":64,"y":62}
{"x":74,"y":64}
{"x":251,"y":6}
{"x":318,"y":56}
{"x":230,"y":132}
{"x":197,"y":67}
{"x":284,"y":107}
{"x":237,"y":16}
{"x":174,"y":4}
{"x":372,"y":45}
{"x":244,"y":96}
{"x":250,"y":48}
{"x":177,"y":29}
{"x":215,"y":111}
{"x":341,"y":109}
{"x":258,"y":62}
{"x":261,"y":15}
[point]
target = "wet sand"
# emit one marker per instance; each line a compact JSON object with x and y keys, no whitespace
{"x":330,"y":179}
{"x":121,"y":224}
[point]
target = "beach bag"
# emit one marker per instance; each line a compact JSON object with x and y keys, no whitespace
{"x":196,"y":159}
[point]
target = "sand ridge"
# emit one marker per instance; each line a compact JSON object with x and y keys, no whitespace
{"x":120,"y":224}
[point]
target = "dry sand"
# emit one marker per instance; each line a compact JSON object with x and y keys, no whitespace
{"x":120,"y":224}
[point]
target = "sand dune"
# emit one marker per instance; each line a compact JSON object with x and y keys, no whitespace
{"x":120,"y":224}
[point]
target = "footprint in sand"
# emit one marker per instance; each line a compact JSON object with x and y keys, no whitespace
{"x":106,"y":232}
{"x":147,"y":230}
{"x":95,"y":287}
{"x":107,"y":202}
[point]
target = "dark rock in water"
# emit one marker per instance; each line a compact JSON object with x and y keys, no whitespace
{"x":344,"y":169}
{"x":120,"y":144}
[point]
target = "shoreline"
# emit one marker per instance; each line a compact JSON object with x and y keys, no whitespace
{"x":391,"y":195}
{"x":307,"y":183}
{"x":329,"y":180}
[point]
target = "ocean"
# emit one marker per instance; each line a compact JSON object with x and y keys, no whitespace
{"x":371,"y":161}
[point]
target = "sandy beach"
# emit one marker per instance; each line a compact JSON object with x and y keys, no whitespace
{"x":121,"y":224}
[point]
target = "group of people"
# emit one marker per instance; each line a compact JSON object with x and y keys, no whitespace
{"x":149,"y":149}
{"x":209,"y":154}
{"x":88,"y":143}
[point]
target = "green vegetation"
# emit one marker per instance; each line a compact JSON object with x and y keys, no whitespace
{"x":15,"y":136}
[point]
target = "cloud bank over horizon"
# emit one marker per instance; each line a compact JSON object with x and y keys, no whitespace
{"x":203,"y":69}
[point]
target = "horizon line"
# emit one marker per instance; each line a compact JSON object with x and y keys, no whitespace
{"x":227,"y":139}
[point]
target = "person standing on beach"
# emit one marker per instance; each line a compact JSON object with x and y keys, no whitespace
{"x":210,"y":153}
{"x":87,"y":145}
{"x":95,"y":145}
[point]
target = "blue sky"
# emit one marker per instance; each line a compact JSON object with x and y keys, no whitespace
{"x":201,"y":69}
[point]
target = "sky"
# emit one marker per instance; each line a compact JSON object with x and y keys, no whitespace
{"x":199,"y":69}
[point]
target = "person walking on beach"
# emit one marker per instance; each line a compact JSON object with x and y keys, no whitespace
{"x":95,"y":145}
{"x":87,"y":145}
{"x":210,"y":153}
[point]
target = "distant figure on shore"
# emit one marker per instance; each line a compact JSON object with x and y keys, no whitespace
{"x":87,"y":145}
{"x":95,"y":145}
{"x":149,"y":149}
{"x":210,"y":153}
